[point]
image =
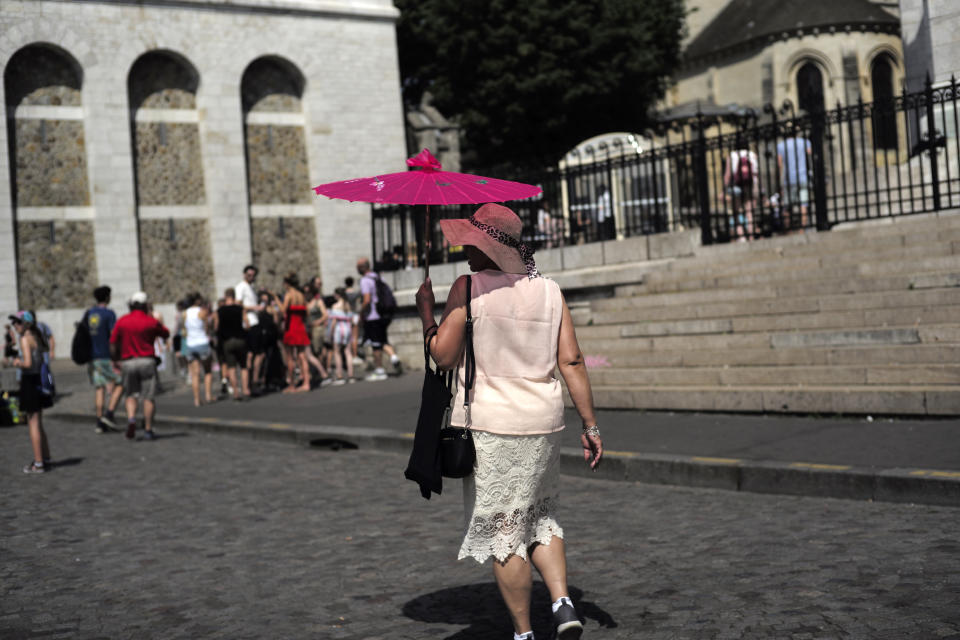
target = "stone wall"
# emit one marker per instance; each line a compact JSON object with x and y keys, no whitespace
{"x":281,"y":245}
{"x":55,"y":270}
{"x":169,"y":168}
{"x":277,"y":165}
{"x":175,"y":261}
{"x":186,"y":63}
{"x":51,"y":163}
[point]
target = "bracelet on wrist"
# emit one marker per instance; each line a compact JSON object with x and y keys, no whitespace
{"x":591,"y":431}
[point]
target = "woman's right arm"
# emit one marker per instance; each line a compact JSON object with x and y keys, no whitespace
{"x":573,"y":368}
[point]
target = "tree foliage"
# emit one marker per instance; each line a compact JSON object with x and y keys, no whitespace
{"x":529,"y":80}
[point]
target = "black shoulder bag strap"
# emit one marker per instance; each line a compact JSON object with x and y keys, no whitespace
{"x":469,"y":361}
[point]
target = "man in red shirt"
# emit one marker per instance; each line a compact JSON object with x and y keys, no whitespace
{"x":131,"y":343}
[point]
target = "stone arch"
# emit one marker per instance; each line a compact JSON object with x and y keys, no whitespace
{"x":818,"y":59}
{"x":43,"y":74}
{"x":173,"y":230}
{"x":56,"y":263}
{"x":272,"y":83}
{"x":163,"y":79}
{"x":282,"y":226}
{"x":802,"y":56}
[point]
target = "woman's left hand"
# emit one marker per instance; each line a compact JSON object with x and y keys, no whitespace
{"x":592,"y":449}
{"x":425,"y":299}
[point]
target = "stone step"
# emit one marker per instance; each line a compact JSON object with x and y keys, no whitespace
{"x":918,"y":354}
{"x":879,"y":337}
{"x":764,"y":307}
{"x":888,"y":232}
{"x":934,"y":400}
{"x":634,"y":296}
{"x":778,"y":262}
{"x":870,"y":318}
{"x":779,"y":376}
{"x":884,"y":266}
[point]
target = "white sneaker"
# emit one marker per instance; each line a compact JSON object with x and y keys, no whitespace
{"x":378,"y":374}
{"x":326,"y":382}
{"x":338,"y":382}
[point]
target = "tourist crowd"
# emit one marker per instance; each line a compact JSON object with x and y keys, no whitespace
{"x":248,"y":342}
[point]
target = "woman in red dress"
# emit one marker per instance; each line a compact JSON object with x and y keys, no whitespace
{"x":295,"y":338}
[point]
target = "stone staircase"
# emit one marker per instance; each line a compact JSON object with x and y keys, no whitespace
{"x":861,"y":320}
{"x":864,"y":319}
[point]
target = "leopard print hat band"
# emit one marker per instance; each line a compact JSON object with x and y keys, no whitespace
{"x":526,"y":253}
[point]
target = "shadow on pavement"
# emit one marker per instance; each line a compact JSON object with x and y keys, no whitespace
{"x":168,"y":436}
{"x":480,"y":606}
{"x":66,"y":462}
{"x":334,"y":444}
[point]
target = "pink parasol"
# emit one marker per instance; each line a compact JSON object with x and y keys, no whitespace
{"x":427,"y":184}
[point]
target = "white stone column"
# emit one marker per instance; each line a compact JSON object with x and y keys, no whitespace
{"x":110,"y":163}
{"x":8,"y":248}
{"x":225,"y":173}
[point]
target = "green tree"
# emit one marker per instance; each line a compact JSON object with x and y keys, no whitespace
{"x":529,"y":80}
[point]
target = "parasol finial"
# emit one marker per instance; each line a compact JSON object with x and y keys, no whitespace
{"x":424,"y":160}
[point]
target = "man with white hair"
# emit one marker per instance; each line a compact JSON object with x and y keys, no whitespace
{"x":131,"y":343}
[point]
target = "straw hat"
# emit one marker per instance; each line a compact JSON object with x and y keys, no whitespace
{"x":495,"y":230}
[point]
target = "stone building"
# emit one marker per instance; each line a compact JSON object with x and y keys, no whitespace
{"x":163,"y":145}
{"x":813,"y":52}
{"x":931,"y":41}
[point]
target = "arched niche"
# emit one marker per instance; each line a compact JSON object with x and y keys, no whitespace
{"x":884,"y":112}
{"x":56,"y":260}
{"x":173,"y":230}
{"x":810,"y":92}
{"x":282,"y":226}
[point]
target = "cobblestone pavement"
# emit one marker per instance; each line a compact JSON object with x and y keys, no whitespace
{"x":206,"y":536}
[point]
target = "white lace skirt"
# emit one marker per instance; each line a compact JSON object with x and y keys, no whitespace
{"x":510,"y":499}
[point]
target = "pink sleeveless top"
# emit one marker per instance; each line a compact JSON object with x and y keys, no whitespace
{"x":516,"y":324}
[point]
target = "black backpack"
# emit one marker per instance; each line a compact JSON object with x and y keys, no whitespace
{"x":81,"y":349}
{"x":386,"y":303}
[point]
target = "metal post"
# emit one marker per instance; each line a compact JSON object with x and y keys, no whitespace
{"x":703,"y":190}
{"x":932,"y":142}
{"x":818,"y":125}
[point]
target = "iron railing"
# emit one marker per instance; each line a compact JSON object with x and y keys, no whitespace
{"x":735,"y":176}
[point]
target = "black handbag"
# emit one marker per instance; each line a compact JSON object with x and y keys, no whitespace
{"x":438,"y":449}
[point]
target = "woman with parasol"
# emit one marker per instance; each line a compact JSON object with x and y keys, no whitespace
{"x":522,"y":330}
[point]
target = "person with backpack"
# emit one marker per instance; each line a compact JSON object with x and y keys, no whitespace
{"x":377,"y":308}
{"x":33,"y":394}
{"x":741,"y":179}
{"x":98,"y":323}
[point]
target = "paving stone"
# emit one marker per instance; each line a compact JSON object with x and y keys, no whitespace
{"x":202,"y":535}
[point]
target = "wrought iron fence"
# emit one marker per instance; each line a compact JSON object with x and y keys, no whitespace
{"x":735,"y":176}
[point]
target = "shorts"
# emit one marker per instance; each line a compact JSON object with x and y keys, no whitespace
{"x":235,"y":352}
{"x":200,"y":352}
{"x":140,"y":376}
{"x":375,"y":332}
{"x":101,"y":372}
{"x":317,"y":337}
{"x":255,"y":340}
{"x":797,"y":194}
